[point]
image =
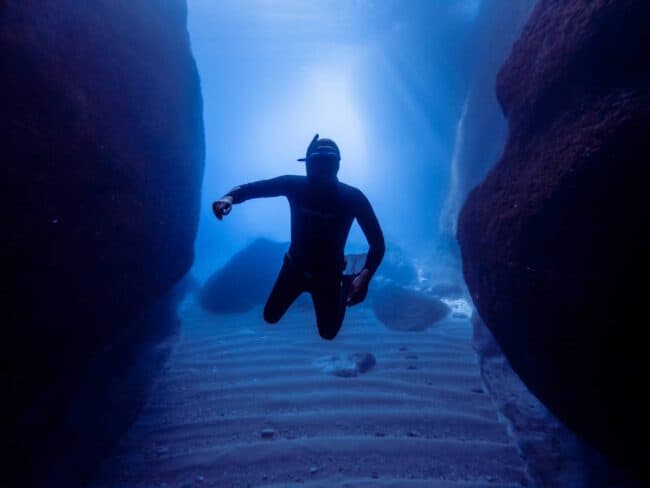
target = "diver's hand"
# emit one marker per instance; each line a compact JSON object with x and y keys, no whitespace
{"x":359,"y":288}
{"x":222,"y":207}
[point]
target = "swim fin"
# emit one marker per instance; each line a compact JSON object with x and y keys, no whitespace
{"x":354,"y":263}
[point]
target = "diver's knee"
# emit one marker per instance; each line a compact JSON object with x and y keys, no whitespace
{"x":328,"y":335}
{"x":270,"y":317}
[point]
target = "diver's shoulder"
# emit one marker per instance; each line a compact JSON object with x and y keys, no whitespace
{"x":293,"y":177}
{"x":353,"y":191}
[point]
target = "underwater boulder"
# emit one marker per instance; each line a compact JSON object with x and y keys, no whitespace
{"x":446,"y":290}
{"x":245,"y":280}
{"x":553,"y":239}
{"x":397,"y":267}
{"x":102,"y":146}
{"x":406,"y":309}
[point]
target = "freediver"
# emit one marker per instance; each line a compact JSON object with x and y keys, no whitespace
{"x":322,"y":212}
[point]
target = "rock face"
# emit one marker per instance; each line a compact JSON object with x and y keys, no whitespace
{"x":102,"y":146}
{"x":552,"y":240}
{"x":246,"y":279}
{"x":481,"y":129}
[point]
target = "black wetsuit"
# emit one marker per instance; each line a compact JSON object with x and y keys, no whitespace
{"x":322,"y":213}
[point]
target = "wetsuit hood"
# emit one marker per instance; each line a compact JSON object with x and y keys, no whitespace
{"x":322,"y":159}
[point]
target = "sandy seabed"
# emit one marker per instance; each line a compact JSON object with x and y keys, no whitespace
{"x":242,"y":403}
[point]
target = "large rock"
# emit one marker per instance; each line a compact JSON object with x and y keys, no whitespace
{"x":397,"y":267}
{"x":245,"y":280}
{"x":102,"y":149}
{"x":406,"y":309}
{"x":553,"y":239}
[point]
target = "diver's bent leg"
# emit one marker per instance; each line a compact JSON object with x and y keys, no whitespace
{"x":329,"y":305}
{"x":286,"y":289}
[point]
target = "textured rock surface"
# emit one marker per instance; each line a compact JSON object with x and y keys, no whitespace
{"x":102,"y":147}
{"x":555,"y":456}
{"x":553,"y":237}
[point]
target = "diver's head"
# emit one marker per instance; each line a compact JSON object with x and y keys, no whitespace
{"x":322,"y":159}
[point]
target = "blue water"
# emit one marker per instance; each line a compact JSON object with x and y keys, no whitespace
{"x":389,"y":81}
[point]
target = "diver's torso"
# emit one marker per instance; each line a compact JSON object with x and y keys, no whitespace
{"x":321,"y":217}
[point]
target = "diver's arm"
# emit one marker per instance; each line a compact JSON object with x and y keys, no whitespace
{"x":222,"y":207}
{"x":370,"y":227}
{"x":374,"y":235}
{"x":273,"y":187}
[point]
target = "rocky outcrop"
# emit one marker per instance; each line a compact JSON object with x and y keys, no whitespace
{"x":245,"y":280}
{"x":102,"y":146}
{"x":553,"y":239}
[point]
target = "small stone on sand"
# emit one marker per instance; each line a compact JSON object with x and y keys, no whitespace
{"x":267,"y":433}
{"x":347,"y":366}
{"x":364,"y":361}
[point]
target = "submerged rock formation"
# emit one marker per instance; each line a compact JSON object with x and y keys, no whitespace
{"x":553,"y":239}
{"x":403,"y":308}
{"x":397,"y":267}
{"x":245,"y":280}
{"x":481,"y":128}
{"x":102,"y":146}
